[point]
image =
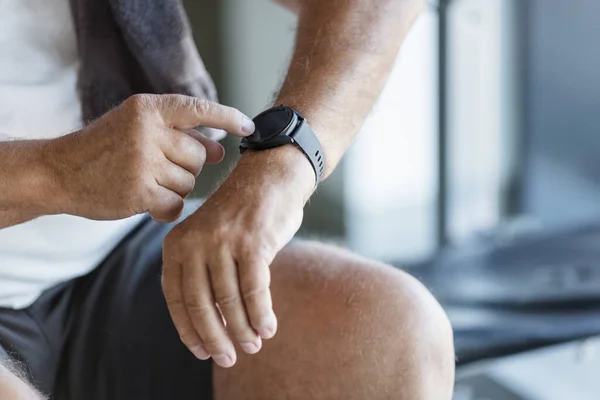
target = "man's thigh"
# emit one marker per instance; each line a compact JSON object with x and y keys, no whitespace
{"x":121,"y":341}
{"x":349,"y":328}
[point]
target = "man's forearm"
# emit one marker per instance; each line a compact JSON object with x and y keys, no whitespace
{"x":25,"y":185}
{"x":345,"y":50}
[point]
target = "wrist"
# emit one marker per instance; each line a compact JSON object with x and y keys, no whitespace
{"x":50,"y":196}
{"x":29,"y":189}
{"x":319,"y":119}
{"x":281,"y":167}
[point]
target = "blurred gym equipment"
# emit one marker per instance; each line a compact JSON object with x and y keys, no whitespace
{"x":512,"y":302}
{"x":525,"y":306}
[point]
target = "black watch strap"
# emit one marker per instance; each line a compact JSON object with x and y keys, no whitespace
{"x":295,"y":131}
{"x":307,"y":141}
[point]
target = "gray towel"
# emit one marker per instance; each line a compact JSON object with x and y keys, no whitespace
{"x":135,"y":46}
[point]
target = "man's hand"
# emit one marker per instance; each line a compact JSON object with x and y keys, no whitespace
{"x":136,"y":158}
{"x":221,"y":255}
{"x":216,"y":262}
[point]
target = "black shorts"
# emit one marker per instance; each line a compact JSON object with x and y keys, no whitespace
{"x":107,"y":335}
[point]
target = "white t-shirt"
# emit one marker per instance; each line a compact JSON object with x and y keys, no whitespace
{"x":38,"y":99}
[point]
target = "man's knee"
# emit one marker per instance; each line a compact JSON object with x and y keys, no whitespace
{"x":419,"y":336}
{"x":373,"y":315}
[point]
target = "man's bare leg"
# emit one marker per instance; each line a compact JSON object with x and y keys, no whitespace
{"x":349,"y":328}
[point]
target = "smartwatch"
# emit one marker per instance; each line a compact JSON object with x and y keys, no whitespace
{"x":283,"y":125}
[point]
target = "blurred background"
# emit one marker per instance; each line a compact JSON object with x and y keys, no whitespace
{"x":477,"y":171}
{"x":516,"y":83}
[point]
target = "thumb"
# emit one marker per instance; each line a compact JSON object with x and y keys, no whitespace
{"x":214,"y":151}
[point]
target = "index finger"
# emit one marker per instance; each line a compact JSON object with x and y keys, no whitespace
{"x":186,"y":112}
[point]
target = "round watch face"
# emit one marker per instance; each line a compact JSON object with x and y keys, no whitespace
{"x":271,"y":124}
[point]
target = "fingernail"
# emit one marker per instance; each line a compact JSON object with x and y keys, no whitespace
{"x":267,"y":327}
{"x":223,"y":360}
{"x":200,"y":352}
{"x":249,"y":347}
{"x":248,"y":126}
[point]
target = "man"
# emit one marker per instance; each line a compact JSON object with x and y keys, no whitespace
{"x":84,"y":316}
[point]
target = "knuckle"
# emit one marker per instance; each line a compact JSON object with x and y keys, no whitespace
{"x":173,"y":211}
{"x":200,"y":152}
{"x":197,"y":308}
{"x":194,"y":149}
{"x":203,"y":107}
{"x":214,"y":345}
{"x":186,"y":243}
{"x":269,"y":242}
{"x":189,"y":184}
{"x":137,"y":190}
{"x":189,"y":338}
{"x":251,"y":294}
{"x":172,"y":248}
{"x":178,"y":205}
{"x":177,"y":101}
{"x":228,"y":301}
{"x":173,"y":239}
{"x":168,"y":246}
{"x":139,"y":102}
{"x":246,"y":250}
{"x":172,"y":302}
{"x":179,"y":141}
{"x":145,"y":188}
{"x":221,"y":234}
